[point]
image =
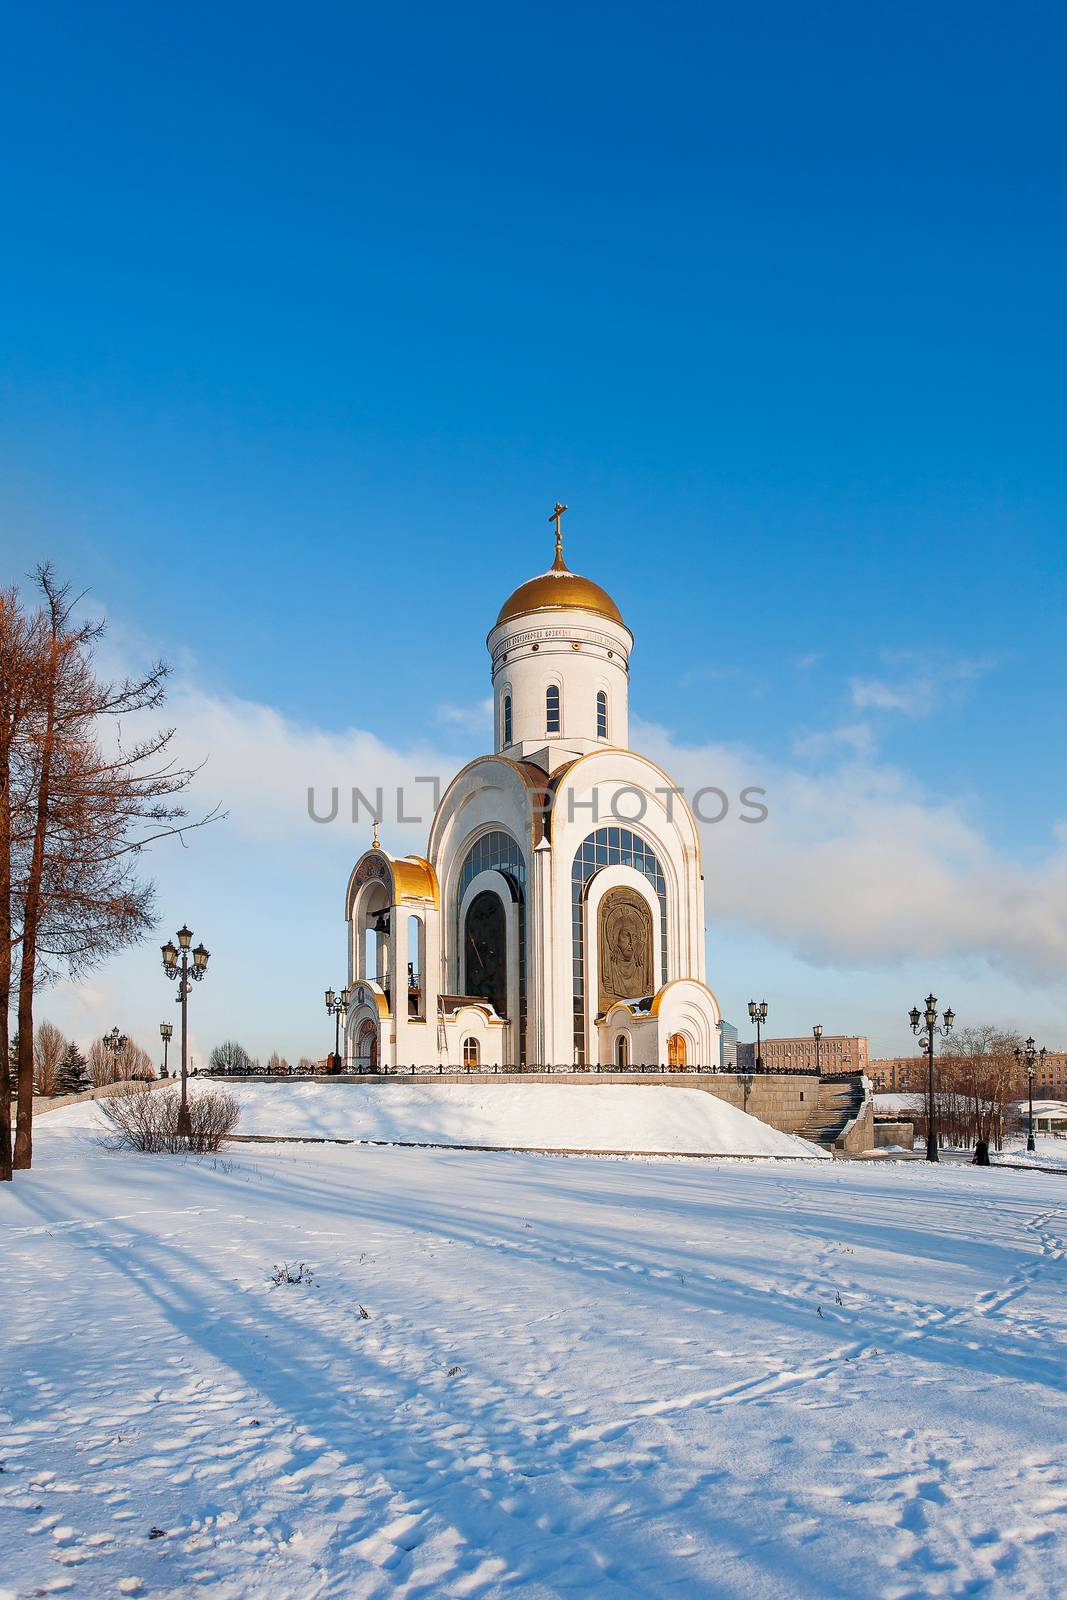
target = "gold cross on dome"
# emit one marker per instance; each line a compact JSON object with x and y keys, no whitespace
{"x":557,"y":518}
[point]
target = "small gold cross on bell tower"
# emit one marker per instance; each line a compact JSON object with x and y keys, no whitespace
{"x":557,"y":518}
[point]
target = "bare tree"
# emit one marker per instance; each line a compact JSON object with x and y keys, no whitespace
{"x":277,"y":1065}
{"x":976,"y":1081}
{"x":49,"y":1048}
{"x":135,"y":1064}
{"x":17,"y":655}
{"x":73,"y":816}
{"x":230,"y":1057}
{"x":98,"y":1064}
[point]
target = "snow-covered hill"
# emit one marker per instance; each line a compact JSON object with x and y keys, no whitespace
{"x":540,"y":1116}
{"x":602,"y":1117}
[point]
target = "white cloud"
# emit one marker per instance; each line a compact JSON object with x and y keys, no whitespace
{"x":927,"y":686}
{"x":855,"y":862}
{"x":472,"y":719}
{"x":859,"y":866}
{"x":855,"y":736}
{"x":915,"y":697}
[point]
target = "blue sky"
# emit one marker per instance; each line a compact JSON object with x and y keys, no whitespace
{"x":308,"y":319}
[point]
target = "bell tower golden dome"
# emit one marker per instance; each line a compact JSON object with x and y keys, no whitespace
{"x":559,"y":589}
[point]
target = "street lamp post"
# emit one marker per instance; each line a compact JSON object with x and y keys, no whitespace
{"x":1030,"y":1056}
{"x":337,"y":1007}
{"x":758,"y":1013}
{"x":166,"y":1033}
{"x":115,"y":1042}
{"x":817,"y":1035}
{"x":180,"y":969}
{"x":926,"y":1022}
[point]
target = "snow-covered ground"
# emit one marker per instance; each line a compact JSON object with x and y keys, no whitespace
{"x":535,"y":1376}
{"x":886,"y":1104}
{"x":1050,"y":1152}
{"x":640,"y":1118}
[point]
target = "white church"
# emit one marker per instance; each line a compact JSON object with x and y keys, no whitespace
{"x":557,"y":917}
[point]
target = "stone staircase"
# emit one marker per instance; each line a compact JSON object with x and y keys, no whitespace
{"x":841,"y":1099}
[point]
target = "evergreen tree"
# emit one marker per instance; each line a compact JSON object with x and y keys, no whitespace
{"x":73,"y":1075}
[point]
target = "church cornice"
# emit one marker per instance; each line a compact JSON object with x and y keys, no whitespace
{"x":508,"y":643}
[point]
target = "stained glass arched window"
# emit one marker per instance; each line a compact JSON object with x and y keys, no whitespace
{"x":609,"y":847}
{"x":498,"y":852}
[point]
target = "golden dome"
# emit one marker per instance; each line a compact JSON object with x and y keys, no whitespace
{"x":559,"y":589}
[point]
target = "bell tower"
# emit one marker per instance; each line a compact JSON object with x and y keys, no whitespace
{"x":560,"y":656}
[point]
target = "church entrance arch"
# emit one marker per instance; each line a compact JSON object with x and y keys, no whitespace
{"x":676,"y":1051}
{"x":485,"y":950}
{"x":367,"y":1047}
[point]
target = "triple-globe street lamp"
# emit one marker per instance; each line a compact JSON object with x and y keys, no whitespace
{"x":926,"y":1022}
{"x":114,"y":1042}
{"x":758,"y":1013}
{"x":337,"y":1007}
{"x":1028,"y":1056}
{"x":180,"y":969}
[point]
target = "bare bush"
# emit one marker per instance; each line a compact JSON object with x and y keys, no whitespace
{"x":287,"y":1273}
{"x":147,"y":1120}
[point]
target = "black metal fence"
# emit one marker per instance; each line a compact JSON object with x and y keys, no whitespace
{"x":527,"y":1071}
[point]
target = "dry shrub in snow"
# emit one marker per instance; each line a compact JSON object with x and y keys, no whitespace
{"x":146,"y":1119}
{"x":287,"y":1273}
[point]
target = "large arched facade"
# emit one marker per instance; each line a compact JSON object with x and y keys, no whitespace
{"x":562,"y":872}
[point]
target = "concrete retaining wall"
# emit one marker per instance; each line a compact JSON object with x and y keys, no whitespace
{"x":893,"y":1133}
{"x":43,"y":1103}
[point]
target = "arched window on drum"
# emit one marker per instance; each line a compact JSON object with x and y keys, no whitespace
{"x":601,"y":715}
{"x":507,"y":720}
{"x":552,"y":709}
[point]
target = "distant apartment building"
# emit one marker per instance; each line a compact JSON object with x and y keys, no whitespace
{"x":897,"y":1074}
{"x":728,"y":1047}
{"x":907,"y":1074}
{"x":1050,"y":1080}
{"x":837,"y":1052}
